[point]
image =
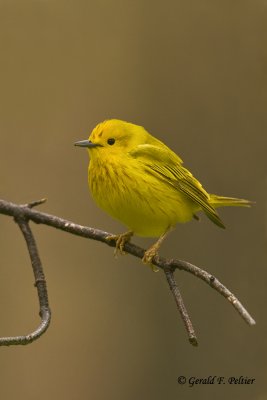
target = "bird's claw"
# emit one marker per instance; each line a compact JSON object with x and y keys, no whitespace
{"x":148,"y":257}
{"x":120,"y":242}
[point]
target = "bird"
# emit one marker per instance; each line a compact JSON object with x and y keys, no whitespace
{"x":138,"y":180}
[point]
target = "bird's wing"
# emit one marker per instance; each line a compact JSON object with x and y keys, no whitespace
{"x":163,"y":163}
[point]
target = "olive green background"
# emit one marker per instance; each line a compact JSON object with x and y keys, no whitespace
{"x":194,"y":74}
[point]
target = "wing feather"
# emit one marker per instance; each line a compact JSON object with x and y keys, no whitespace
{"x":164,"y":163}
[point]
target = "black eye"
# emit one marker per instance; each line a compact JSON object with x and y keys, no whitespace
{"x":111,"y":141}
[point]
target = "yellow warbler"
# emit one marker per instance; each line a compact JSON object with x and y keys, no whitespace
{"x":139,"y":181}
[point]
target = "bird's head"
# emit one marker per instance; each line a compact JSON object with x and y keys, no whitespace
{"x":114,"y":137}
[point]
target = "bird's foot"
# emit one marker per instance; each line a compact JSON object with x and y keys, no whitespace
{"x":153,"y":250}
{"x":148,"y":257}
{"x":120,"y":241}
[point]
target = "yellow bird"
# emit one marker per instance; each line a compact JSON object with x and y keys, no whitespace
{"x":141,"y":182}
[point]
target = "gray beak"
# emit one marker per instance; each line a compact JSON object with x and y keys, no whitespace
{"x":86,"y":143}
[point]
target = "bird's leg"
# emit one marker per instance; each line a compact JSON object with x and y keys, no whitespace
{"x":120,"y":241}
{"x":153,"y":250}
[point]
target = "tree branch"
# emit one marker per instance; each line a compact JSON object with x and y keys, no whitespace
{"x":40,"y":284}
{"x":181,"y":307}
{"x":25,"y":213}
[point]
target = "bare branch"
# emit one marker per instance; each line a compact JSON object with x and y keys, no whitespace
{"x":169,"y":266}
{"x":40,"y":284}
{"x":180,"y":305}
{"x":213,"y":282}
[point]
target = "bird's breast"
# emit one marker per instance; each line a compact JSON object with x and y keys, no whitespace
{"x":142,"y":202}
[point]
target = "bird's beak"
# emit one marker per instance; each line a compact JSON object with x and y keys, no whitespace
{"x":86,"y":143}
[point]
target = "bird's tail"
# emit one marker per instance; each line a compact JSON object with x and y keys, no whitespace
{"x":221,"y":201}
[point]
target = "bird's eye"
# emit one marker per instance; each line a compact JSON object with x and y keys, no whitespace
{"x":111,"y":141}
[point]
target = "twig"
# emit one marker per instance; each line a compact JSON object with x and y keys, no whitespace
{"x":180,"y":305}
{"x":16,"y":211}
{"x":40,"y":284}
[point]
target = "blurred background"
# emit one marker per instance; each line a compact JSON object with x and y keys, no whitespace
{"x":194,"y":74}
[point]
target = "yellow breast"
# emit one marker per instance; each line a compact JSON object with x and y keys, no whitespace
{"x":140,"y":201}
